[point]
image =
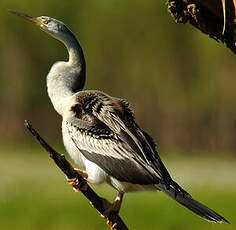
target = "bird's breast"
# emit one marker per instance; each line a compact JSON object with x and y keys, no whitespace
{"x":73,"y":151}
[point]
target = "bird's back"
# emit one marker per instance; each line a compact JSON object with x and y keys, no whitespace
{"x":96,"y":119}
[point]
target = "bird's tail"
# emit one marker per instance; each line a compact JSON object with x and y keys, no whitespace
{"x":185,"y":199}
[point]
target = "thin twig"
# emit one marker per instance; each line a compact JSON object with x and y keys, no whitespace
{"x":96,"y":201}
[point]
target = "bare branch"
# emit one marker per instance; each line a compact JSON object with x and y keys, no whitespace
{"x":115,"y":222}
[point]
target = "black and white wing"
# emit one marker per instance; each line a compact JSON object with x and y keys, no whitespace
{"x":110,"y":138}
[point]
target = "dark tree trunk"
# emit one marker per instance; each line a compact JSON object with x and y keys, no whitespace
{"x":207,"y":16}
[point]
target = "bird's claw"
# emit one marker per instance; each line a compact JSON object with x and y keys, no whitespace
{"x":111,"y":225}
{"x":108,"y":207}
{"x":82,"y":173}
{"x":79,"y":185}
{"x":109,"y":210}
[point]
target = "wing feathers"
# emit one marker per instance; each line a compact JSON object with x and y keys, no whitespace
{"x":111,"y":139}
{"x":114,"y":156}
{"x":126,"y":170}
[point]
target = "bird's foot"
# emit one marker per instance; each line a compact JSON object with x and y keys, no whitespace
{"x":111,"y":209}
{"x":111,"y":225}
{"x":82,"y":173}
{"x":79,"y":185}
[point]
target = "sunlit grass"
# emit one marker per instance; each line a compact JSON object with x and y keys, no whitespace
{"x":34,"y":195}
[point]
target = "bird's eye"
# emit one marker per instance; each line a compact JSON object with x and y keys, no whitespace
{"x":45,"y":20}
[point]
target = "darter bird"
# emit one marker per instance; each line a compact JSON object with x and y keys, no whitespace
{"x":100,"y":132}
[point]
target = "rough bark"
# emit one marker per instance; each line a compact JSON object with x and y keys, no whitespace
{"x":114,"y":220}
{"x":208,"y":17}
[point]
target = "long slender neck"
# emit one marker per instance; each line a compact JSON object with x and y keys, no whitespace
{"x":76,"y":55}
{"x":67,"y":78}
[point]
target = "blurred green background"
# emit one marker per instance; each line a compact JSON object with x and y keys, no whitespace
{"x":181,"y":84}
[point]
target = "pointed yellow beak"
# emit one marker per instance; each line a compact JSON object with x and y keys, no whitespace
{"x":26,"y":17}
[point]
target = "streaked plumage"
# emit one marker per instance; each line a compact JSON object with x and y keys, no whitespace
{"x":104,"y":131}
{"x":100,"y":132}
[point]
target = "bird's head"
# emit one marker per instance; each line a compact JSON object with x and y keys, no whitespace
{"x":50,"y":25}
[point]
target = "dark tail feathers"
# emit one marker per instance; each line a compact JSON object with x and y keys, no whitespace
{"x":185,"y":199}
